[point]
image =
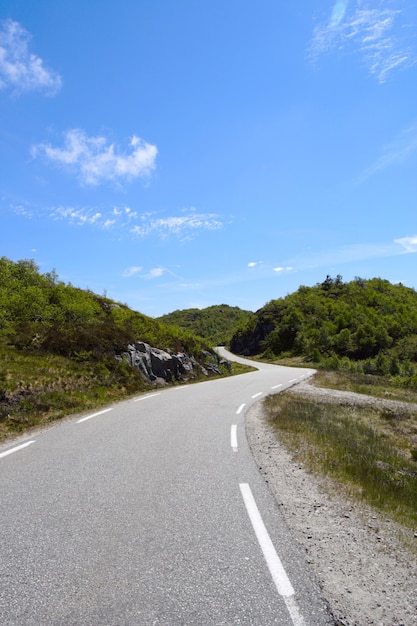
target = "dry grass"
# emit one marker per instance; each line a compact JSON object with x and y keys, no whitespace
{"x":377,"y":386}
{"x":38,"y":388}
{"x":370,"y":450}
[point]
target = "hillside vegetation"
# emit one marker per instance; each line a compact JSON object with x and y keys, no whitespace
{"x":58,"y":345}
{"x":367,"y":326}
{"x":215,"y":323}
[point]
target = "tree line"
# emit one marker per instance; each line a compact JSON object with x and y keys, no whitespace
{"x":215,"y":323}
{"x":363,"y":325}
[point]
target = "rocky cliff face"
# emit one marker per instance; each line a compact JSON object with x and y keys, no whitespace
{"x":159,"y":367}
{"x":248,"y":342}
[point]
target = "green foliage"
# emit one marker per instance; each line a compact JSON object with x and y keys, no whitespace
{"x":38,"y":312}
{"x":215,"y":323}
{"x":58,"y":346}
{"x":370,"y":323}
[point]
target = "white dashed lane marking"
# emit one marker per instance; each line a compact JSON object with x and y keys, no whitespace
{"x":233,"y":437}
{"x":16,"y":448}
{"x":89,"y":417}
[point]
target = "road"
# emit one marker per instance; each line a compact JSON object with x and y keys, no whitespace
{"x":151,"y":512}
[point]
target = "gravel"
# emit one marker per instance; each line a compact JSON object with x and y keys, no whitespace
{"x":366,"y":564}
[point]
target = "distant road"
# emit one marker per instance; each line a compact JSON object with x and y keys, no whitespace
{"x":151,"y":512}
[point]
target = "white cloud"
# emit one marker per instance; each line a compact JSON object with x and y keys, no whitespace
{"x":151,"y":274}
{"x":282,"y":269}
{"x":137,"y":270}
{"x":77,"y":216}
{"x":184,"y":226}
{"x":96,"y":160}
{"x":21,"y":210}
{"x":123,"y":219}
{"x":20,"y":69}
{"x":130,"y":214}
{"x":156,"y":272}
{"x":379,"y":34}
{"x":408,"y":244}
{"x":132,"y":271}
{"x":338,"y":13}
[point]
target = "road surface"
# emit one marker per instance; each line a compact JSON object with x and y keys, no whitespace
{"x":151,"y":512}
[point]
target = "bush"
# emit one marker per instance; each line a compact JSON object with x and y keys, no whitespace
{"x":371,"y":322}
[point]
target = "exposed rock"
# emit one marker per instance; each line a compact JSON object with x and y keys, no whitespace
{"x":248,"y":342}
{"x":159,"y":367}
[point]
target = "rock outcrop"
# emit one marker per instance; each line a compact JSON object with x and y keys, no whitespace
{"x":248,"y":342}
{"x":159,"y":367}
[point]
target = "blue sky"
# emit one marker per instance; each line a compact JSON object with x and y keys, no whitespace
{"x":182,"y":153}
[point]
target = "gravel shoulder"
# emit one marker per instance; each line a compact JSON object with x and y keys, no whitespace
{"x":365,"y":563}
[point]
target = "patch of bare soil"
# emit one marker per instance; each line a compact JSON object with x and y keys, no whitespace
{"x":365,"y":563}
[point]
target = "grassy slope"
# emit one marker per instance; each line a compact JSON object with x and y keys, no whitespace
{"x":369,"y":450}
{"x":58,"y":346}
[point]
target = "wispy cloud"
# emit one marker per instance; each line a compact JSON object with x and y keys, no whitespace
{"x":186,"y":226}
{"x":408,"y":244}
{"x":20,"y":209}
{"x":151,"y":274}
{"x":395,"y":152}
{"x":132,"y":271}
{"x":20,"y":69}
{"x":338,"y":13}
{"x":283,"y":269}
{"x":356,"y":252}
{"x":378,"y":33}
{"x":78,"y":216}
{"x":155,"y":272}
{"x":95,"y":160}
{"x":265,"y":268}
{"x":182,"y":226}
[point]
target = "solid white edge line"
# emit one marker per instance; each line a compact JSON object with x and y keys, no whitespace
{"x":152,"y":395}
{"x":16,"y":448}
{"x":278,"y":573}
{"x":89,"y":417}
{"x":233,"y":437}
{"x":276,"y":568}
{"x":240,"y":409}
{"x":257,"y":394}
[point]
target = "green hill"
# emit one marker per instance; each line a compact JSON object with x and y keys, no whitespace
{"x":362,"y":325}
{"x":215,"y":324}
{"x":58,"y":345}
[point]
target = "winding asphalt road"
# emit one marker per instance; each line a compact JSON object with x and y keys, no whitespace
{"x":151,"y":512}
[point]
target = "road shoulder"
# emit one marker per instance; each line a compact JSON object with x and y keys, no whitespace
{"x":367,"y":575}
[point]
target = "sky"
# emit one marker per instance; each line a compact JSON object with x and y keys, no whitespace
{"x":172,"y":154}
